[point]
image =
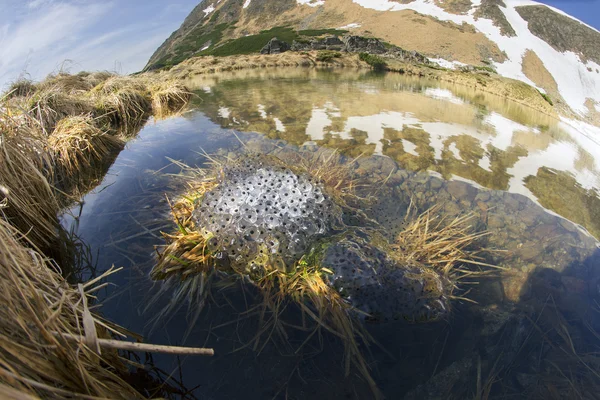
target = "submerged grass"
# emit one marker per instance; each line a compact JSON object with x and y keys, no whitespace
{"x":442,"y":243}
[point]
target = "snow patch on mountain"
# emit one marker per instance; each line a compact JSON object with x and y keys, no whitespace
{"x":208,"y":10}
{"x":447,"y":64}
{"x":350,"y":26}
{"x":576,"y":83}
{"x":311,"y":3}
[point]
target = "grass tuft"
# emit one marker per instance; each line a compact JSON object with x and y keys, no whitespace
{"x":374,"y":61}
{"x":328,"y":55}
{"x":443,"y":244}
{"x":40,"y":311}
{"x":25,"y":172}
{"x":79,"y":145}
{"x":168,"y":97}
{"x":50,"y":104}
{"x":20,"y":88}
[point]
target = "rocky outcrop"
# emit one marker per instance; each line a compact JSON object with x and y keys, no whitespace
{"x":359,"y":44}
{"x":275,"y":46}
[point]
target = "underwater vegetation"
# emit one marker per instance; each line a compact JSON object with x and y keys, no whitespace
{"x":296,"y":232}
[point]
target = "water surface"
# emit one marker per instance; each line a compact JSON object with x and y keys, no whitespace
{"x":526,"y":176}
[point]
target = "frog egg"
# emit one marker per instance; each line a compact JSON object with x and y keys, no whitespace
{"x":213,"y":245}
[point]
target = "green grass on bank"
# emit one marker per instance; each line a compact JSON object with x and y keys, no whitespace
{"x":546,"y":97}
{"x":374,"y":61}
{"x":253,"y":43}
{"x":199,"y":37}
{"x":193,"y":42}
{"x":321,"y":32}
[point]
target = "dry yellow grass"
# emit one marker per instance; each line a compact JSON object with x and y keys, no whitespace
{"x":168,"y":97}
{"x":50,"y":104}
{"x":66,"y":83}
{"x":20,"y":88}
{"x":78,"y":145}
{"x":126,"y":109}
{"x":38,"y":310}
{"x":441,"y":243}
{"x":25,"y":171}
{"x":48,"y":138}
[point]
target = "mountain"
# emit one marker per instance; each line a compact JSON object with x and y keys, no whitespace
{"x":519,"y":39}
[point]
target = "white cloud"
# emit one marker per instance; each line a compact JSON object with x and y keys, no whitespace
{"x":44,"y":35}
{"x":39,"y":35}
{"x":33,"y":4}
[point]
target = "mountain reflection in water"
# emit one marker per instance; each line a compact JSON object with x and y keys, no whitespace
{"x":528,"y":316}
{"x":453,"y":130}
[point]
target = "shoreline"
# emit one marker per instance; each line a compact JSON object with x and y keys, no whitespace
{"x":483,"y":81}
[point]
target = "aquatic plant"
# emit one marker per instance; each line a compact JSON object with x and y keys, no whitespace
{"x":441,"y":243}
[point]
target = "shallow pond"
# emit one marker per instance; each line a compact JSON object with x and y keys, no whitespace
{"x":526,"y":176}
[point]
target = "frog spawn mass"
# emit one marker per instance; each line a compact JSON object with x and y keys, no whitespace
{"x":262,"y":212}
{"x":381,"y":287}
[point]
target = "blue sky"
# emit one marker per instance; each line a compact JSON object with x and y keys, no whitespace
{"x":37,"y":36}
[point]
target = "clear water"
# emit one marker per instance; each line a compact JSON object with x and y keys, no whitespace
{"x":525,"y":175}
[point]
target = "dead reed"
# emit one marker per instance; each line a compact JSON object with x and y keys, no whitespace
{"x":126,"y":109}
{"x":441,"y":243}
{"x":48,"y":142}
{"x":25,"y":170}
{"x":66,"y":83}
{"x":20,"y":88}
{"x":50,"y":104}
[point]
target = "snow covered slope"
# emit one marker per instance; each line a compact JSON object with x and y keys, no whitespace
{"x":520,"y":39}
{"x":577,"y":80}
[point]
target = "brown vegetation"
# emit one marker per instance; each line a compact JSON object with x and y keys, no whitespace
{"x":50,"y":143}
{"x":39,"y":311}
{"x":78,"y":144}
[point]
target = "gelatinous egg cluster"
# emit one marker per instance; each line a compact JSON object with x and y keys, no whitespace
{"x":375,"y":284}
{"x":263,"y":213}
